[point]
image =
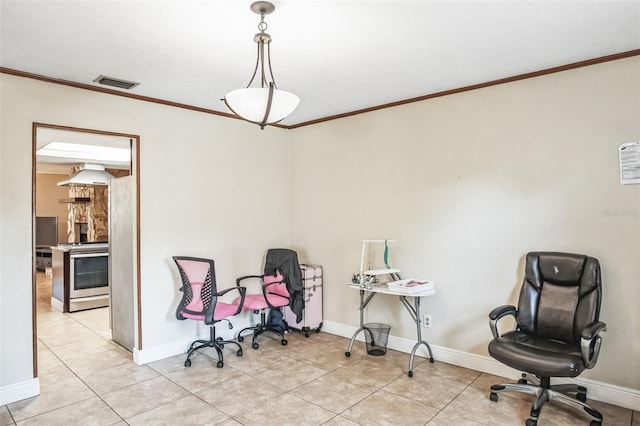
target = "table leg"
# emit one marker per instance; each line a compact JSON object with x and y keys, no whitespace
{"x":414,"y":311}
{"x":363,"y":303}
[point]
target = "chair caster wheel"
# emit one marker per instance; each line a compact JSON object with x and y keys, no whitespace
{"x":410,"y":373}
{"x":522,"y":381}
{"x":431,"y":360}
{"x":239,"y":353}
{"x":347,"y":354}
{"x":595,"y":423}
{"x":582,"y":397}
{"x":219,"y":339}
{"x":187,"y":363}
{"x":531,"y":422}
{"x":493,"y":396}
{"x":284,"y":342}
{"x":220,"y":364}
{"x":255,"y":346}
{"x":306,"y":334}
{"x":240,"y":338}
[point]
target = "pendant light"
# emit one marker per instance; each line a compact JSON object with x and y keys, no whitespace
{"x":265,"y":104}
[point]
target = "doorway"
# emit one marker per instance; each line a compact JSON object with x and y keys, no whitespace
{"x":76,"y":149}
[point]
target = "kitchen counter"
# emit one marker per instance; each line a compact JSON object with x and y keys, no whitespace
{"x":99,"y":247}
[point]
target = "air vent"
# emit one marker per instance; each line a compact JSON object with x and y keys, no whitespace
{"x":115,"y":82}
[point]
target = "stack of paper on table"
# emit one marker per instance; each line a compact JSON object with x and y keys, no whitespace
{"x":410,"y":286}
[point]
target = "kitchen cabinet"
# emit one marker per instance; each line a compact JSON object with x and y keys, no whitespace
{"x":60,"y":279}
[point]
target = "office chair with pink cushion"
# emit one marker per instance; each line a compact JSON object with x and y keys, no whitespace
{"x":274,"y":295}
{"x":200,"y":302}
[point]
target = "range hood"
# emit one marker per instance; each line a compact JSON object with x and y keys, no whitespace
{"x":89,"y":174}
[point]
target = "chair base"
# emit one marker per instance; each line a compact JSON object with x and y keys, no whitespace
{"x":569,"y":394}
{"x":213,"y":342}
{"x":261,"y":328}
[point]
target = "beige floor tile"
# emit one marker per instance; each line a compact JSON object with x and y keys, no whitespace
{"x":431,"y":390}
{"x":201,"y":375}
{"x":613,"y":415}
{"x":97,"y":320}
{"x":5,"y":416}
{"x":252,"y":360}
{"x":327,"y":357}
{"x":384,"y":408}
{"x":230,"y":422}
{"x":88,"y":412}
{"x":290,"y":374}
{"x":474,"y":404}
{"x":287,"y":410}
{"x":635,"y":421}
{"x":117,"y":377}
{"x":173,"y":363}
{"x":373,"y":371}
{"x":231,"y":397}
{"x":144,"y":396}
{"x":92,"y":356}
{"x":334,"y":392}
{"x":449,"y":371}
{"x":185,"y":411}
{"x":53,"y":394}
{"x":446,"y":419}
{"x":340,"y":421}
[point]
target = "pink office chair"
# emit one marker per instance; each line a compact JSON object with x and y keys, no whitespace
{"x":274,"y":296}
{"x":200,"y":303}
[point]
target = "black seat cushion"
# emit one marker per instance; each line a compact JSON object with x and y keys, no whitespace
{"x":539,"y":356}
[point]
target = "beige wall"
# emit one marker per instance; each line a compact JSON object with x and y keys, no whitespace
{"x":210,"y":187}
{"x":468,"y":184}
{"x":47,"y":195}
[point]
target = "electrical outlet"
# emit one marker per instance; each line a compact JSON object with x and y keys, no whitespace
{"x":427,"y":321}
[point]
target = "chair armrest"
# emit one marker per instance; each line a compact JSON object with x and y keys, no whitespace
{"x":243,"y":293}
{"x":496,"y":314}
{"x":590,"y":342}
{"x":264,"y":293}
{"x":246,"y":277}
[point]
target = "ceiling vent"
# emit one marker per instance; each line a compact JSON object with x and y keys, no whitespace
{"x":115,"y":82}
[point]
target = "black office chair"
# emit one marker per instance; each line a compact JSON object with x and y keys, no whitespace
{"x":556,"y":332}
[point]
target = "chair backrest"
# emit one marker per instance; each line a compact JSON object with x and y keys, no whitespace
{"x":285,"y":262}
{"x":560,"y":295}
{"x":278,"y":286}
{"x":198,"y":286}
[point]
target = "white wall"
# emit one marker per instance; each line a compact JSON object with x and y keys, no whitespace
{"x":210,"y":186}
{"x":468,"y":184}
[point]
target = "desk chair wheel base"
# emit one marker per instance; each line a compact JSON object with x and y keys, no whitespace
{"x":347,"y":354}
{"x":410,"y":373}
{"x":283,"y":342}
{"x":254,"y":345}
{"x":187,"y":363}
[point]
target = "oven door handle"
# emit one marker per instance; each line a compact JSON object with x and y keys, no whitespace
{"x":78,"y":255}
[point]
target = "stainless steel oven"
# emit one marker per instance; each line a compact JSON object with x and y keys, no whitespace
{"x":88,"y":279}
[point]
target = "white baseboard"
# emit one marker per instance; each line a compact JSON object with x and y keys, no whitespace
{"x":600,"y":391}
{"x":156,"y":353}
{"x":18,"y":391}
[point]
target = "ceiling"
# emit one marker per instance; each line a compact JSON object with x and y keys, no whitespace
{"x":337,"y":56}
{"x":63,"y":165}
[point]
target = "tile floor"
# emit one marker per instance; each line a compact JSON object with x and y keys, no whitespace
{"x":86,"y":379}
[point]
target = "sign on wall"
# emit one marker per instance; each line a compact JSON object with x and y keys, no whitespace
{"x":629,"y":158}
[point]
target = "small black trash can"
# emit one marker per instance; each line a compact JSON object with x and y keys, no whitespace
{"x":377,"y":336}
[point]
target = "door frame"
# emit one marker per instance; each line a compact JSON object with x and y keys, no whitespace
{"x":135,"y":171}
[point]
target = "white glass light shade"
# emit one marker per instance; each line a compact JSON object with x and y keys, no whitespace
{"x":251,"y":104}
